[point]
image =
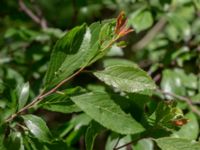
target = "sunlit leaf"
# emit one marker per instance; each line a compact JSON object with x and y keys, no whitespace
{"x":23,"y":95}
{"x":126,"y":78}
{"x":37,"y":127}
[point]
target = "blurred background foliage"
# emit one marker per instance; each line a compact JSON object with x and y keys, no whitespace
{"x":165,"y":43}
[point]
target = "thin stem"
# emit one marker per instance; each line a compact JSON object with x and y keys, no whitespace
{"x":43,"y":95}
{"x":116,"y":144}
{"x":109,"y":45}
{"x":23,"y":109}
{"x":57,"y":86}
{"x":129,"y":143}
{"x":22,"y":126}
{"x":144,"y":135}
{"x":41,"y":21}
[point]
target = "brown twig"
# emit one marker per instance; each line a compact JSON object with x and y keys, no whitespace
{"x":144,"y":135}
{"x":116,"y":144}
{"x":23,"y":109}
{"x":60,"y":84}
{"x":150,"y":34}
{"x":38,"y":11}
{"x":157,"y":77}
{"x":131,"y":142}
{"x":43,"y":95}
{"x":196,"y":103}
{"x":39,"y":20}
{"x":182,"y":98}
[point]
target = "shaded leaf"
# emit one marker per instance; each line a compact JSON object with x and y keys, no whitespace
{"x":141,"y":20}
{"x":14,"y":141}
{"x":167,"y":117}
{"x":93,"y":129}
{"x":75,"y":123}
{"x":67,"y":46}
{"x":75,"y":128}
{"x":105,"y":111}
{"x":34,"y":144}
{"x":61,"y":102}
{"x":31,"y":143}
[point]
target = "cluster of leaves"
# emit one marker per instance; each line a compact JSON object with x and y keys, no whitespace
{"x":108,"y":102}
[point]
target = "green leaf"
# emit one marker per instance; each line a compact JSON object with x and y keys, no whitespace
{"x":139,"y":100}
{"x":164,"y":112}
{"x":113,"y":138}
{"x":167,"y":143}
{"x":23,"y":95}
{"x":93,"y":129}
{"x":2,"y":130}
{"x":80,"y":120}
{"x":144,"y":144}
{"x":65,"y":48}
{"x":77,"y":49}
{"x":37,"y":127}
{"x":65,"y":106}
{"x":2,"y":147}
{"x":14,"y":141}
{"x":118,"y":61}
{"x":126,"y":78}
{"x":197,"y":4}
{"x":105,"y":111}
{"x":31,"y":143}
{"x":61,"y":102}
{"x":198,"y":83}
{"x":104,"y":41}
{"x":165,"y":115}
{"x":78,"y":124}
{"x":176,"y":81}
{"x":187,"y":12}
{"x":171,"y":82}
{"x":182,"y":27}
{"x":34,"y":144}
{"x":75,"y":127}
{"x":141,"y":20}
{"x":14,"y":74}
{"x":115,"y":51}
